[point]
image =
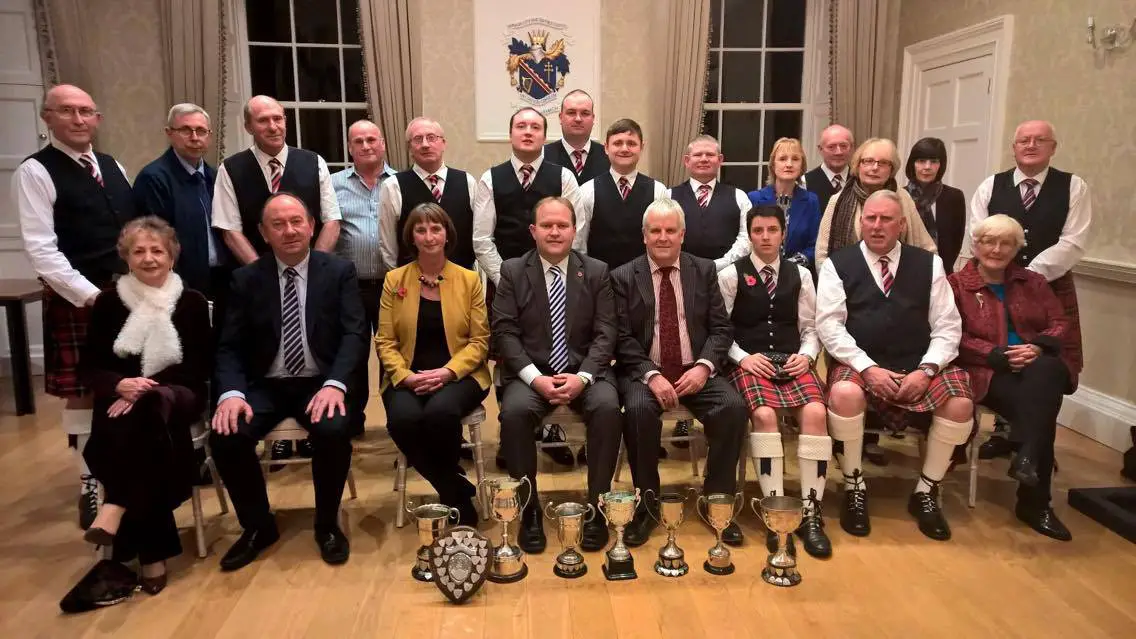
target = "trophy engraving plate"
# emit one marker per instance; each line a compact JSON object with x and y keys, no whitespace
{"x":460,"y":558}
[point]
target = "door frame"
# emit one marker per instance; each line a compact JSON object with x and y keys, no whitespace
{"x":992,"y":37}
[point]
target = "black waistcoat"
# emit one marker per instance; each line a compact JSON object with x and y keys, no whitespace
{"x":300,"y":178}
{"x":595,"y":163}
{"x":615,"y":234}
{"x":710,"y":231}
{"x":455,"y":201}
{"x":762,"y":325}
{"x":514,"y":206}
{"x":1045,"y":219}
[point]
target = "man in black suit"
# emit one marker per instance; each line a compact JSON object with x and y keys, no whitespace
{"x":577,"y":151}
{"x":836,"y":146}
{"x":555,"y":328}
{"x":292,"y":338}
{"x":664,"y":361}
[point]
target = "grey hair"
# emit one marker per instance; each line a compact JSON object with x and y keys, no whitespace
{"x":704,"y":138}
{"x":999,"y":225}
{"x":185,"y":108}
{"x":423,"y":120}
{"x":885,"y":194}
{"x":665,"y":206}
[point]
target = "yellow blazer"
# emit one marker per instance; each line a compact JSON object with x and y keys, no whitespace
{"x":463,"y":315}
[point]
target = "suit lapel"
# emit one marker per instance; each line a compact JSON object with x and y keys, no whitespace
{"x":272,"y":278}
{"x":573,"y":282}
{"x":647,"y":291}
{"x":315,"y":290}
{"x":534,"y":269}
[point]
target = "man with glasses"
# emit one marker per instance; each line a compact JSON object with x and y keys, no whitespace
{"x":1055,"y":210}
{"x":72,"y":203}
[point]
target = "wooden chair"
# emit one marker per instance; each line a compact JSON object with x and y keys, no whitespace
{"x":471,"y":421}
{"x":201,"y":442}
{"x":290,"y":430}
{"x":984,"y":418}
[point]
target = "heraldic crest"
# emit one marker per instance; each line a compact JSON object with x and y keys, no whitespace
{"x":535,"y":69}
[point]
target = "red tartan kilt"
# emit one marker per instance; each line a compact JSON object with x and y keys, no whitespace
{"x":952,"y":381}
{"x":759,"y":391}
{"x":65,"y":334}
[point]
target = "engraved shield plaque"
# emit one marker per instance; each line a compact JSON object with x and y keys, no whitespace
{"x":460,"y":559}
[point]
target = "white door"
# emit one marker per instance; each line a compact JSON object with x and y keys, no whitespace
{"x":955,"y":101}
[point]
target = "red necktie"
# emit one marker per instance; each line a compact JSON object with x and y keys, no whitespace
{"x":770,"y":284}
{"x":526,"y":172}
{"x":703,"y":195}
{"x":885,"y":274}
{"x":670,"y":348}
{"x":91,"y":167}
{"x":624,"y":188}
{"x":578,"y":160}
{"x":277,"y":171}
{"x":1028,"y":196}
{"x":434,"y":190}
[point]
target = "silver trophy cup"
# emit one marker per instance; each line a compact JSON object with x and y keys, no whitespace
{"x":570,"y":518}
{"x":672,"y":559}
{"x":508,"y":563}
{"x":721,"y":509}
{"x":782,"y":515}
{"x":432,"y":520}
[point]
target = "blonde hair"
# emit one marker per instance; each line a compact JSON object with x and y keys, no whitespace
{"x":999,"y":226}
{"x":893,"y":156}
{"x":791,"y":145}
{"x":154,"y":225}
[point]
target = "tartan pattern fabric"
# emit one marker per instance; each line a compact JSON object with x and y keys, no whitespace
{"x":758,"y":391}
{"x":952,"y":381}
{"x":65,"y":335}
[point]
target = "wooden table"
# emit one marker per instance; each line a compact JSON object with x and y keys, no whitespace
{"x":15,"y":296}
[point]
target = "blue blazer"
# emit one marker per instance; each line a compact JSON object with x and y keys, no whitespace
{"x":804,"y":219}
{"x":164,"y":188}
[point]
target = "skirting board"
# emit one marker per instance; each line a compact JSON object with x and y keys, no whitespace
{"x":1098,"y":416}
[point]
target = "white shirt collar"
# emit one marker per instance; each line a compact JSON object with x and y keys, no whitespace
{"x":301,"y":268}
{"x":873,"y":259}
{"x":828,"y":172}
{"x":75,"y":155}
{"x":535,"y":164}
{"x":562,"y":264}
{"x":758,"y":264}
{"x":441,"y":172}
{"x":1019,"y":176}
{"x":615,"y":175}
{"x":694,"y":184}
{"x":263,"y":157}
{"x":570,"y":149}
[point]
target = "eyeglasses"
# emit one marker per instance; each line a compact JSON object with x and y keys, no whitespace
{"x":870,"y":162}
{"x":1033,"y":141}
{"x":186,"y":131}
{"x":71,"y":112}
{"x":992,"y":242}
{"x":418,"y":140}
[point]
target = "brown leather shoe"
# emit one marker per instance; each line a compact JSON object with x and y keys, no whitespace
{"x":152,"y":585}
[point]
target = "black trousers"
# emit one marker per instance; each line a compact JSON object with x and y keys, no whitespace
{"x":272,"y":401}
{"x":427,"y":429}
{"x":370,"y":291}
{"x":521,"y":415}
{"x":718,"y":406}
{"x":1030,"y":400}
{"x":147,"y":534}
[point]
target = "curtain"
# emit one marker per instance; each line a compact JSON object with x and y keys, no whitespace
{"x":864,"y":48}
{"x":683,"y":72}
{"x":67,"y":27}
{"x":392,"y":75}
{"x":194,"y":45}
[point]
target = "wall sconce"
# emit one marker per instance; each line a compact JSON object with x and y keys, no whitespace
{"x":1111,"y":37}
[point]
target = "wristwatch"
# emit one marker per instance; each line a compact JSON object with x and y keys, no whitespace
{"x":583,"y":378}
{"x":929,"y":370}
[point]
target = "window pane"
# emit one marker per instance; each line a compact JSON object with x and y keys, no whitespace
{"x":712,"y":77}
{"x":353,"y":74}
{"x":270,"y":69}
{"x":740,"y":77}
{"x":783,"y":76}
{"x":710,"y":123}
{"x":743,"y":23}
{"x":715,"y":23}
{"x":322,"y":132}
{"x":740,"y":135}
{"x":786,"y":23}
{"x":780,"y":124}
{"x":745,"y":178}
{"x":319,"y":74}
{"x":315,"y":22}
{"x":290,"y":134}
{"x":268,"y":21}
{"x":349,"y":18}
{"x":354,"y":115}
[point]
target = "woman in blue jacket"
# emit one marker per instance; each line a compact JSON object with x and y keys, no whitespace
{"x":801,"y":208}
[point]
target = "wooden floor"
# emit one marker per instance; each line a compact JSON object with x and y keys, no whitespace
{"x":996,"y":578}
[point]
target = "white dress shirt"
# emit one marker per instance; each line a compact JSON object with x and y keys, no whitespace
{"x":806,"y":306}
{"x":832,"y":313}
{"x":33,"y":193}
{"x":277,"y":370}
{"x":587,"y":204}
{"x":531,"y":372}
{"x":226,"y":213}
{"x":390,"y":208}
{"x":485,"y":213}
{"x":1058,"y":259}
{"x":683,"y":333}
{"x":571,"y":149}
{"x":829,"y":173}
{"x":741,"y":245}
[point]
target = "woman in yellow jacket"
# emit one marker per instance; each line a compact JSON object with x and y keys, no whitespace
{"x":433,"y":342}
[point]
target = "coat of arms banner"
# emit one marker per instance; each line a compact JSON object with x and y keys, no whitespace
{"x":531,"y":54}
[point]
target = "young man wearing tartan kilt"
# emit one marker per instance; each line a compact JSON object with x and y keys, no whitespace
{"x":886,"y":314}
{"x":772,"y":304}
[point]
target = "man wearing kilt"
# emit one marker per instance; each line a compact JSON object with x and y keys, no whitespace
{"x":772,"y":303}
{"x":886,"y":314}
{"x":72,"y":202}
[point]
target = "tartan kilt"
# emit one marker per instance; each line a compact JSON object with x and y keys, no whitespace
{"x":64,"y":336}
{"x":952,"y":381}
{"x":759,"y":391}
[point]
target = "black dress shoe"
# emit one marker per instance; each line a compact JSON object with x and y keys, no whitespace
{"x":531,"y":537}
{"x":281,"y":449}
{"x":1023,"y":468}
{"x":732,"y":535}
{"x":996,"y":447}
{"x":582,"y":456}
{"x":681,"y":429}
{"x":560,"y":454}
{"x":333,"y":545}
{"x":595,"y":536}
{"x":639,"y":530}
{"x":925,"y":508}
{"x":248,"y":546}
{"x":304,"y":448}
{"x":854,"y":517}
{"x":88,"y":501}
{"x":1044,"y":521}
{"x":813,"y":537}
{"x":771,"y":543}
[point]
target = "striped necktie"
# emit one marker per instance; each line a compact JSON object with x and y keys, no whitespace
{"x":291,"y":333}
{"x":885,"y":274}
{"x":769,"y":277}
{"x":91,"y":167}
{"x":704,"y":195}
{"x":527,"y":174}
{"x":434,"y":190}
{"x":578,"y":161}
{"x":837,"y":182}
{"x":1028,"y":195}
{"x":624,"y":188}
{"x":557,"y":299}
{"x":277,"y":172}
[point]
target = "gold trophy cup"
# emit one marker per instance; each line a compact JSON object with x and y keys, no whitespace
{"x":782,"y":515}
{"x":672,"y":560}
{"x":508,"y":563}
{"x":570,"y":518}
{"x":721,"y":509}
{"x":432,"y":520}
{"x":618,"y":509}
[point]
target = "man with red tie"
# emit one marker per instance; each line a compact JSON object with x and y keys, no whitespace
{"x":72,"y":203}
{"x":576,"y":150}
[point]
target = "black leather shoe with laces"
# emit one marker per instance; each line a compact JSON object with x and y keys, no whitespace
{"x":1044,"y":521}
{"x":854,"y":516}
{"x":925,"y":508}
{"x":595,"y":535}
{"x":1023,"y":468}
{"x":531,"y":538}
{"x":560,"y":454}
{"x":281,"y":449}
{"x":996,"y":447}
{"x":88,"y":501}
{"x":811,"y":531}
{"x":681,"y":429}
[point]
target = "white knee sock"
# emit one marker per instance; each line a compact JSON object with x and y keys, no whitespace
{"x":78,"y":423}
{"x":941,"y":441}
{"x":768,"y":454}
{"x":813,"y":453}
{"x":849,"y":431}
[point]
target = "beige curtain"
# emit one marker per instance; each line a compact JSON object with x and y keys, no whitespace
{"x":682,"y":68}
{"x":67,"y":25}
{"x":392,"y":74}
{"x":193,"y":42}
{"x":864,"y":38}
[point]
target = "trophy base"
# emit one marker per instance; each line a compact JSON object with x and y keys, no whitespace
{"x":570,"y":571}
{"x":671,"y":567}
{"x":510,"y":578}
{"x":728,"y":569}
{"x":422,"y":574}
{"x":784,"y":577}
{"x":620,"y":570}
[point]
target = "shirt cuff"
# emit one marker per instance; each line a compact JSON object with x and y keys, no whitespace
{"x":79,"y":295}
{"x":587,"y":377}
{"x":862,"y":362}
{"x":709,"y":365}
{"x":737,"y":353}
{"x":809,"y":352}
{"x":336,"y":384}
{"x":529,"y":374}
{"x":232,"y":393}
{"x":647,"y":377}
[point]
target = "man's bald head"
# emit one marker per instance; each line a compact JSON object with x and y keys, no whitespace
{"x":836,"y":143}
{"x":71,"y":115}
{"x":265,"y":121}
{"x":366,"y":146}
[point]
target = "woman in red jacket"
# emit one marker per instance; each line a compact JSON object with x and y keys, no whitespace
{"x":1013,"y":335}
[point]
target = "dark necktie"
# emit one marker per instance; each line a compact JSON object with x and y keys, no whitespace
{"x":885,"y":274}
{"x":434,"y":190}
{"x":837,"y":182}
{"x":557,"y":298}
{"x":624,"y":188}
{"x":768,"y":277}
{"x":277,"y":170}
{"x":527,"y":173}
{"x":578,"y":161}
{"x":291,"y":332}
{"x":91,"y":168}
{"x":670,"y":346}
{"x":704,"y":195}
{"x":1028,"y":196}
{"x":205,"y":198}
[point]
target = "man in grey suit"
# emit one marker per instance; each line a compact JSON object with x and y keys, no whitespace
{"x":666,"y":358}
{"x":554,"y":328}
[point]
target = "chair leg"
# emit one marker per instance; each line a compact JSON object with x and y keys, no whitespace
{"x":400,"y":491}
{"x":351,"y":484}
{"x":199,"y":523}
{"x":972,"y":495}
{"x":479,"y":466}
